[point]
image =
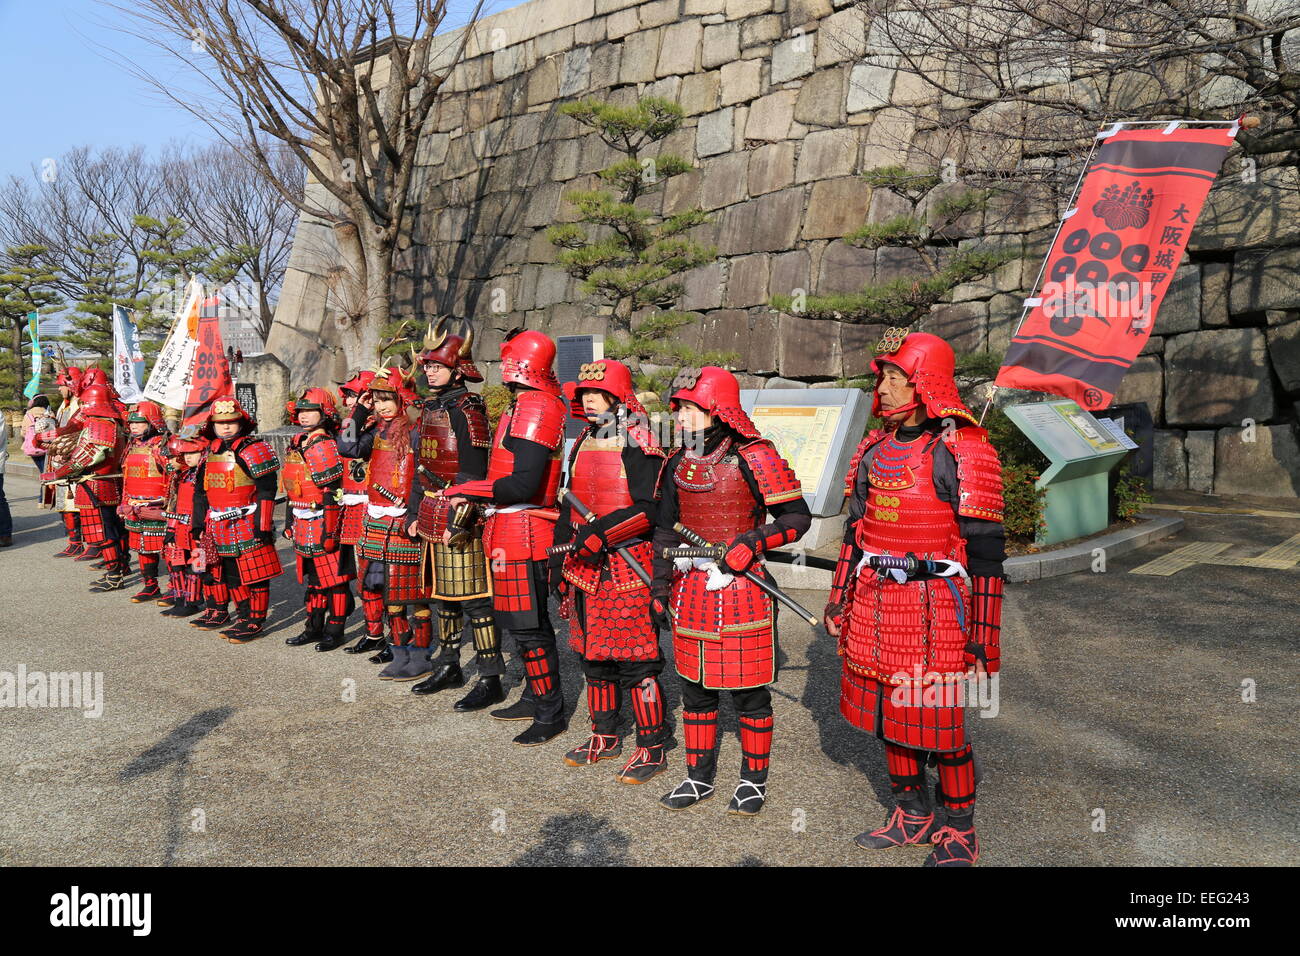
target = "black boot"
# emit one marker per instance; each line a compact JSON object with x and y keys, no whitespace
{"x":911,"y":823}
{"x":486,"y":692}
{"x":539,"y":733}
{"x":333,"y":635}
{"x":365,"y":645}
{"x":181,"y":609}
{"x":444,"y":675}
{"x":111,"y":581}
{"x":523,"y":709}
{"x":750,"y":795}
{"x":385,"y":655}
{"x":312,"y":630}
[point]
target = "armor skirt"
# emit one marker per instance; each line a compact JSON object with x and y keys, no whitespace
{"x":724,"y":639}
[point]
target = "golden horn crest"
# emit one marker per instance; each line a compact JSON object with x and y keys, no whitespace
{"x":463,"y":351}
{"x":435,"y":334}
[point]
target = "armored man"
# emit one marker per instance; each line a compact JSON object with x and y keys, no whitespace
{"x":522,"y":479}
{"x":607,"y":518}
{"x":917,"y":596}
{"x":721,"y":485}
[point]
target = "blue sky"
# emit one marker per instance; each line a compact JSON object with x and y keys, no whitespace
{"x":63,"y":88}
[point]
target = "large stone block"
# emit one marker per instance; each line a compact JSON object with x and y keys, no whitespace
{"x":767,"y":224}
{"x":1284,"y":351}
{"x":702,"y":288}
{"x":682,"y":192}
{"x":1169,"y":471}
{"x":1216,"y":283}
{"x":1265,"y":280}
{"x":743,"y":9}
{"x":681,"y":47}
{"x":1200,"y":461}
{"x":771,"y":167}
{"x":605,"y":62}
{"x":700,"y":93}
{"x":827,"y":154}
{"x":1004,"y":317}
{"x":1181,"y":309}
{"x":1144,"y":382}
{"x":858,"y":347}
{"x":960,"y":324}
{"x":790,"y":273}
{"x":792,"y":59}
{"x":821,"y":99}
{"x":272,"y":378}
{"x":888,"y":138}
{"x":808,"y":349}
{"x":841,"y":36}
{"x":759,"y":32}
{"x":658,"y":13}
{"x":747,"y":281}
{"x":1239,"y":214}
{"x":845,"y":268}
{"x":1268,"y":466}
{"x":836,"y":207}
{"x":770,"y":116}
{"x":576,"y":73}
{"x":543,"y":83}
{"x":721,"y":45}
{"x":640,"y":57}
{"x":741,"y":81}
{"x":1217,"y":377}
{"x":724,"y":180}
{"x":869,"y":87}
{"x":713,"y":134}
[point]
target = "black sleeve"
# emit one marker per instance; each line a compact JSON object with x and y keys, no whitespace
{"x":362,"y":440}
{"x":857,"y":500}
{"x":199,"y":516}
{"x":666,"y":515}
{"x":521,"y":484}
{"x":472,"y":461}
{"x":416,"y":494}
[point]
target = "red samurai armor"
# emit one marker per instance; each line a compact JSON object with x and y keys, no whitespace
{"x":235,"y":512}
{"x":312,"y":463}
{"x":144,"y":488}
{"x":355,"y":477}
{"x":384,"y":538}
{"x":723,"y":638}
{"x":616,"y":624}
{"x":95,"y":462}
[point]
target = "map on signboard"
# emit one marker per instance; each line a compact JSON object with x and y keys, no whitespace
{"x":802,"y":434}
{"x":1073,"y":433}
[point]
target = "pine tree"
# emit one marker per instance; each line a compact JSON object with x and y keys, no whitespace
{"x":107,"y":283}
{"x":26,"y":285}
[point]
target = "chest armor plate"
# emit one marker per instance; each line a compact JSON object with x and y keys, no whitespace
{"x":599,"y":478}
{"x":183,"y":495}
{"x":226,"y":483}
{"x":502,"y":463}
{"x":296,"y":478}
{"x":438,"y":452}
{"x":903,"y":512}
{"x":390,"y":466}
{"x":141,"y":476}
{"x":713,"y":497}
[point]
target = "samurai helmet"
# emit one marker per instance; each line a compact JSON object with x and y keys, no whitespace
{"x":98,"y":401}
{"x":150,"y":414}
{"x":70,"y":377}
{"x":316,"y":400}
{"x":357,"y":383}
{"x":609,"y":376}
{"x":528,"y":358}
{"x":228,"y":410}
{"x":177,"y":445}
{"x":396,"y":381}
{"x":452,"y":351}
{"x":717,"y":392}
{"x":929,"y":364}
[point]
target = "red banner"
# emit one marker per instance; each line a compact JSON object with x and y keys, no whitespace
{"x":210,"y":374}
{"x":1112,"y":261}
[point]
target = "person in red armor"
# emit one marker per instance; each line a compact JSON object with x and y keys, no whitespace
{"x":392,"y":555}
{"x":179,"y":545}
{"x":452,"y":446}
{"x":354,"y":501}
{"x":94,"y":466}
{"x":927,"y":485}
{"x":522,"y":478}
{"x":61,"y":496}
{"x":312,"y":477}
{"x":234,"y":503}
{"x":614,"y":471}
{"x":144,"y":492}
{"x":720,"y":484}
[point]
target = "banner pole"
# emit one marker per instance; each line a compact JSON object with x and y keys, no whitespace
{"x":1024,"y":309}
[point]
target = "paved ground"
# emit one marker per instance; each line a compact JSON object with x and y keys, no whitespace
{"x":1122,"y":693}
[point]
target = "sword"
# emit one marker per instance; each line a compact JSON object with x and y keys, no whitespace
{"x":766,"y":586}
{"x":590,"y":517}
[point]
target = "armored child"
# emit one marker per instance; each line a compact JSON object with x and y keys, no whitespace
{"x":144,"y":492}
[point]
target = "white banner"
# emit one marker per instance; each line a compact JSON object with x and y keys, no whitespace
{"x":169,"y":382}
{"x":128,"y":360}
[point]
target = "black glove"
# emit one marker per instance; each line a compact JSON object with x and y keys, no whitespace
{"x":659,"y":617}
{"x":554,"y":578}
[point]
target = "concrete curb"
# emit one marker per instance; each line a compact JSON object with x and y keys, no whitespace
{"x":1079,"y":557}
{"x":1027,"y":567}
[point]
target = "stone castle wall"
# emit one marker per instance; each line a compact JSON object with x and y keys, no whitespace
{"x":782,"y":113}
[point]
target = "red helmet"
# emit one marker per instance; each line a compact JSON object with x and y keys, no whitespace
{"x":527,"y":358}
{"x":929,"y":363}
{"x":92,"y":376}
{"x":315,"y":400}
{"x":357,"y":384}
{"x":98,"y":401}
{"x":609,"y":376}
{"x":177,"y":446}
{"x":228,"y":410}
{"x":717,"y":392}
{"x":150,"y":414}
{"x":70,"y":377}
{"x":393,"y":380}
{"x":452,"y":351}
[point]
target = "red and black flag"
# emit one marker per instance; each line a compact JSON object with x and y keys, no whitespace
{"x":210,"y":375}
{"x":1113,"y":259}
